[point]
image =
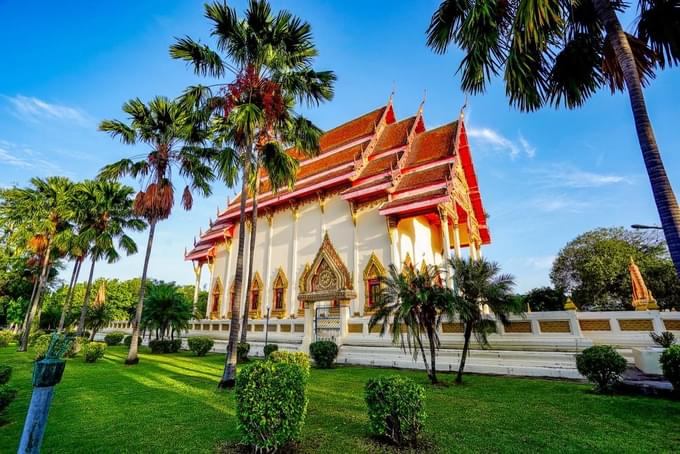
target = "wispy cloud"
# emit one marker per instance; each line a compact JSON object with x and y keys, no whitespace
{"x":22,"y":156}
{"x":487,"y":138}
{"x":568,"y":176}
{"x":559,"y":203}
{"x":541,"y":262}
{"x":38,"y":111}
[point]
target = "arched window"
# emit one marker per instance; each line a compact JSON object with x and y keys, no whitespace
{"x":256,"y":295}
{"x":374,"y":272}
{"x":279,"y":288}
{"x":215,"y":298}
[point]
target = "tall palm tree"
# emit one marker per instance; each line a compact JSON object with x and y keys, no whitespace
{"x":411,"y":306}
{"x":271,"y":56}
{"x":44,"y":211}
{"x":560,"y":52}
{"x":478,"y":283}
{"x":106,"y":214}
{"x":76,"y":247}
{"x":175,"y":136}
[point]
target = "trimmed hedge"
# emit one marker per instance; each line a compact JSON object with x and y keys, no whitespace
{"x":200,"y":345}
{"x":6,"y":336}
{"x":159,"y":346}
{"x":269,"y":348}
{"x":271,"y":404}
{"x":602,"y":365}
{"x":127,"y":341}
{"x":396,"y":409}
{"x":114,"y":338}
{"x":323,"y":353}
{"x":670,"y":365}
{"x":299,"y":358}
{"x":94,"y":351}
{"x":242,"y":350}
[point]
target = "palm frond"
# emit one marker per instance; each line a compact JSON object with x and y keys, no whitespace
{"x":203,"y":60}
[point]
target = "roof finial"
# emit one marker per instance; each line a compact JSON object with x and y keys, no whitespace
{"x":394,"y":90}
{"x":194,"y":240}
{"x":422,"y":103}
{"x":185,"y":251}
{"x":464,"y":108}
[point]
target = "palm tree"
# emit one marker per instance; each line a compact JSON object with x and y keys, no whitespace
{"x":271,"y":56}
{"x":166,"y":310}
{"x":98,"y":316}
{"x":76,"y":249}
{"x":479,"y":284}
{"x":561,"y":52}
{"x":105,"y":215}
{"x":411,"y":305}
{"x":44,"y":212}
{"x":176,"y":136}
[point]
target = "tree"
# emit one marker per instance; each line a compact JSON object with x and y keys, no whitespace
{"x":166,"y":310}
{"x":106,"y":213}
{"x":593,"y":267}
{"x":560,"y":53}
{"x":176,"y":137}
{"x":545,"y":299}
{"x":479,"y":284}
{"x":98,"y":316}
{"x":411,"y":305}
{"x":76,"y":247}
{"x":271,"y":56}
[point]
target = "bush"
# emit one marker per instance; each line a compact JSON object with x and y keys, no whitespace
{"x":242,"y":350}
{"x":128,"y":340}
{"x":269,"y":348}
{"x":76,"y":346}
{"x":165,"y":346}
{"x":200,"y":345}
{"x":299,"y":358}
{"x":6,"y":337}
{"x":271,"y":404}
{"x":43,"y":342}
{"x":35,"y":335}
{"x":114,"y":338}
{"x":323,"y":353}
{"x":395,"y":409}
{"x":664,"y":340}
{"x":7,"y":394}
{"x":94,"y":351}
{"x":5,"y":374}
{"x":601,"y":365}
{"x":670,"y":365}
{"x":40,"y":346}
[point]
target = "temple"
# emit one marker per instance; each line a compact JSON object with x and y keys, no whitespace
{"x":381,"y":191}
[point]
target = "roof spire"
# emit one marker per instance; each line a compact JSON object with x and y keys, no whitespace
{"x":464,"y":108}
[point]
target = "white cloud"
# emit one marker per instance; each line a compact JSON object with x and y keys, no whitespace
{"x":564,"y":175}
{"x":559,"y":203}
{"x":541,"y":262}
{"x":489,"y":138}
{"x":24,"y":157}
{"x":38,"y":111}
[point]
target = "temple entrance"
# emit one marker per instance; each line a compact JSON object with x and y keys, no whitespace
{"x":326,"y":322}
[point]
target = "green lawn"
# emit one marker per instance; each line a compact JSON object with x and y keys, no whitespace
{"x":169,"y":403}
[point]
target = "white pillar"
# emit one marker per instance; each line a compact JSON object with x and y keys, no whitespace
{"x":224,"y":304}
{"x":245,"y":288}
{"x":211,"y":267}
{"x":293,"y":268}
{"x":309,"y":326}
{"x":198,"y":269}
{"x":394,"y":241}
{"x":446,"y":253}
{"x":355,"y":257}
{"x":456,"y":238}
{"x":267,"y":263}
{"x":479,"y":251}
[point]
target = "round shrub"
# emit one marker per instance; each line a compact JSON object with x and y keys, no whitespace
{"x":174,"y":345}
{"x":242,"y":350}
{"x":35,"y":335}
{"x":42,"y":343}
{"x":299,"y":358}
{"x":323,"y":353}
{"x":200,"y":345}
{"x":602,"y":365}
{"x":40,"y":346}
{"x":396,"y":410}
{"x":6,"y":336}
{"x":157,"y":346}
{"x":165,"y":346}
{"x":114,"y":338}
{"x":271,"y":404}
{"x":128,"y":341}
{"x":269,"y":348}
{"x":670,"y":365}
{"x":94,"y":351}
{"x":77,"y":344}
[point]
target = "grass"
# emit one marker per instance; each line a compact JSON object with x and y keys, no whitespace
{"x":169,"y":403}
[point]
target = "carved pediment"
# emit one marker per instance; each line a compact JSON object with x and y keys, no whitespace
{"x":327,"y":278}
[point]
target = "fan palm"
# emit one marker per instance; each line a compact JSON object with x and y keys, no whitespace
{"x":411,"y":306}
{"x":176,"y":136}
{"x":166,"y":310}
{"x":479,"y":284}
{"x":98,"y":316}
{"x":271,"y":56}
{"x":106,"y":214}
{"x":561,"y":52}
{"x":76,"y":249}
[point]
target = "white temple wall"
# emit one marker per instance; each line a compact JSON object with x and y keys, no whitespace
{"x":372,"y":238}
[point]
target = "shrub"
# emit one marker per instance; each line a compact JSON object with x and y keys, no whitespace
{"x":395,"y":409}
{"x":43,"y":342}
{"x":299,"y":358}
{"x":601,"y":365}
{"x":242,"y":350}
{"x":271,"y":404}
{"x":664,"y":340}
{"x":323,"y":353}
{"x":174,"y":345}
{"x":6,"y":337}
{"x":35,"y":335}
{"x":40,"y":346}
{"x":128,"y":340}
{"x":165,"y":346}
{"x":670,"y":365}
{"x":200,"y":345}
{"x":114,"y":338}
{"x":94,"y":351}
{"x":5,"y":374}
{"x":77,"y":344}
{"x":269,"y":348}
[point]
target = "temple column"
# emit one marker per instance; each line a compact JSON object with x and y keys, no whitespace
{"x":394,"y":242}
{"x":456,"y":238}
{"x":344,"y":320}
{"x":245,"y":288}
{"x":309,"y":325}
{"x":293,"y":267}
{"x":224,"y":304}
{"x":446,"y":242}
{"x":479,"y":251}
{"x":267,"y":263}
{"x":198,"y":268}
{"x":211,"y":267}
{"x":355,"y":250}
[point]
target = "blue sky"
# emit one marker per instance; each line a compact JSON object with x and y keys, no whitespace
{"x":545,"y":177}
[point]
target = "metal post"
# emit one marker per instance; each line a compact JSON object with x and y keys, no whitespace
{"x":266,"y":328}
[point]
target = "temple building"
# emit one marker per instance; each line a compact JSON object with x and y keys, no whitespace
{"x":381,"y":191}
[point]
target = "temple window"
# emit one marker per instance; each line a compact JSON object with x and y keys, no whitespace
{"x":216,"y":297}
{"x":373,"y":292}
{"x":255,"y":294}
{"x":374,"y":272}
{"x":280,"y":288}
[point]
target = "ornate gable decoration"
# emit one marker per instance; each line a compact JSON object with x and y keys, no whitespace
{"x":327,"y":278}
{"x":374,"y":269}
{"x":280,"y":281}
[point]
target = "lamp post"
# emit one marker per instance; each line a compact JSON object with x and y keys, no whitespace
{"x":266,"y":327}
{"x":645,"y":227}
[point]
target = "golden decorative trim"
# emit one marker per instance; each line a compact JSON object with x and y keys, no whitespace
{"x":355,"y":328}
{"x":327,"y":278}
{"x":452,"y":328}
{"x":595,"y":325}
{"x":636,"y":325}
{"x":523,"y":327}
{"x":554,"y":326}
{"x":280,"y":282}
{"x":373,"y":270}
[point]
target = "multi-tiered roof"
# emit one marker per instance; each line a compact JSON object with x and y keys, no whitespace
{"x":374,"y":158}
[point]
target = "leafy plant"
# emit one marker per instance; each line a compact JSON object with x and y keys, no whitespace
{"x":128,"y":340}
{"x":664,"y":340}
{"x":5,"y":374}
{"x":242,"y":350}
{"x":396,"y":409}
{"x":94,"y":351}
{"x":269,"y":348}
{"x":271,"y":404}
{"x":7,"y":394}
{"x":40,"y":346}
{"x":670,"y":365}
{"x":166,"y":310}
{"x":6,"y":337}
{"x":158,"y":346}
{"x":323,"y":353}
{"x":114,"y":338}
{"x":602,"y":365}
{"x":200,"y":345}
{"x":299,"y":358}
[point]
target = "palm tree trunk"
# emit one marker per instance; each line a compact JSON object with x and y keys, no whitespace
{"x":466,"y":347}
{"x":251,"y":254}
{"x":666,"y":203}
{"x":433,"y":354}
{"x":132,"y":357}
{"x":23,"y":345}
{"x":35,"y":289}
{"x":86,"y":300}
{"x":422,"y":352}
{"x":69,"y":296}
{"x":229,"y":375}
